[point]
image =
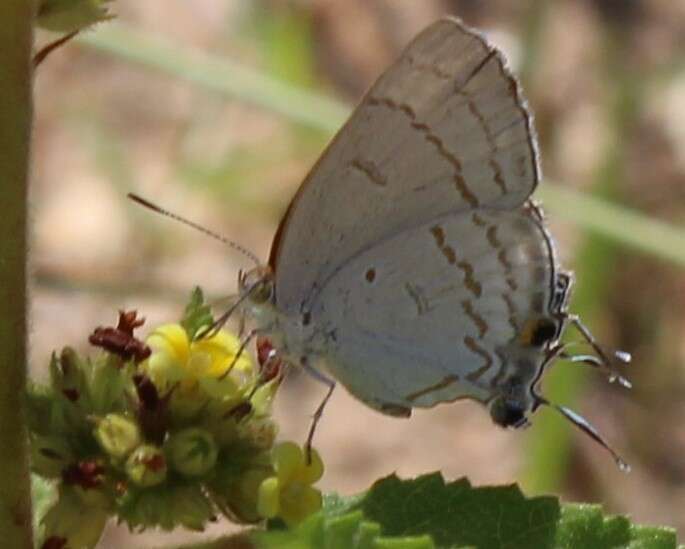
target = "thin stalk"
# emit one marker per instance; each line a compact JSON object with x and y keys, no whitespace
{"x":16,"y":42}
{"x":317,"y":111}
{"x":548,"y":451}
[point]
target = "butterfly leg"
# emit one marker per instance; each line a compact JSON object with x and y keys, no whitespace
{"x":316,"y":374}
{"x":604,"y":359}
{"x":243,"y":344}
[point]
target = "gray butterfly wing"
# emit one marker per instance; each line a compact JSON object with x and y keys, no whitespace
{"x":440,"y":312}
{"x":443,"y":130}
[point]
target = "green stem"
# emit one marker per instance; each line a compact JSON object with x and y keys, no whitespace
{"x":235,"y":81}
{"x":16,"y":42}
{"x":548,"y":452}
{"x":219,"y":75}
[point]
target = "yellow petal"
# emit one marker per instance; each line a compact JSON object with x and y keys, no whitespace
{"x":222,"y":349}
{"x":310,"y":473}
{"x":298,"y":501}
{"x":219,"y":389}
{"x":287,"y":459}
{"x":172,"y":339}
{"x":268,"y":498}
{"x":164,"y":369}
{"x":199,"y":363}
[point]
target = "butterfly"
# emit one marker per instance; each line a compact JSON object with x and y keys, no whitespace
{"x":412,"y":265}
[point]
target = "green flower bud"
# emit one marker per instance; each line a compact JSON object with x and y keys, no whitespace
{"x":117,"y":435}
{"x":106,"y":384}
{"x":67,"y":373}
{"x":146,"y":466}
{"x":191,"y":508}
{"x":260,"y":433}
{"x":192,"y":452}
{"x":238,"y":499}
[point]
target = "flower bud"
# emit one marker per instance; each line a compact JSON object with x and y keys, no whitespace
{"x":192,"y":452}
{"x":260,"y":433}
{"x":107,"y":384}
{"x":117,"y":435}
{"x":146,"y":466}
{"x":67,"y":373}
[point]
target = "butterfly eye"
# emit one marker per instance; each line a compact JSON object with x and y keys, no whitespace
{"x":259,"y":283}
{"x":262,"y":291}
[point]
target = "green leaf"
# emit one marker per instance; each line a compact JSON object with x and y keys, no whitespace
{"x":428,"y":513}
{"x":197,"y":314}
{"x":584,"y":525}
{"x":457,"y":515}
{"x":337,"y":527}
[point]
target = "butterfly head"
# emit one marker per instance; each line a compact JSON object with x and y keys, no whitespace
{"x":511,"y":406}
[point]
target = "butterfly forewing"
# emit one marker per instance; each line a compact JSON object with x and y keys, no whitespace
{"x":443,"y":131}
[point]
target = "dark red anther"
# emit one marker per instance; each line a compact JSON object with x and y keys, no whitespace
{"x":154,"y":463}
{"x":240,"y":411}
{"x":120,"y":340}
{"x":147,"y":392}
{"x":270,"y":363}
{"x":153,"y":408}
{"x":86,"y":474}
{"x":71,"y":394}
{"x":54,"y":542}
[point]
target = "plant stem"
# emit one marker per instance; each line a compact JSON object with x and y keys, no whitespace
{"x":314,"y":110}
{"x":16,"y":42}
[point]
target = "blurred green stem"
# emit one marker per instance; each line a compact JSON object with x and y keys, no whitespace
{"x":325,"y":114}
{"x":533,"y":26}
{"x":219,"y":75}
{"x":548,"y":449}
{"x":16,"y":42}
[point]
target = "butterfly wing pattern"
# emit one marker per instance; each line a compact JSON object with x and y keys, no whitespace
{"x":411,"y":263}
{"x":411,"y":247}
{"x":444,"y":130}
{"x":452,"y":322}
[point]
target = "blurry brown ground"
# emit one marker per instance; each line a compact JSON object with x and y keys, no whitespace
{"x":105,"y":127}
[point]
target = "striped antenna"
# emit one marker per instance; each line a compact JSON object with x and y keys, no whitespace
{"x":150,"y":206}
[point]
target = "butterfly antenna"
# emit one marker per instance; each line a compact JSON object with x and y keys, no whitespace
{"x":584,"y":425}
{"x":150,"y":206}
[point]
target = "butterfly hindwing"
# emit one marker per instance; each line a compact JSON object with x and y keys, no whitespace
{"x":437,"y":312}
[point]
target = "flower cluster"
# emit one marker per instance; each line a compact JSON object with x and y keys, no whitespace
{"x":163,"y":433}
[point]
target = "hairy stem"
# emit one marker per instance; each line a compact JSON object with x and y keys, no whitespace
{"x":16,"y":41}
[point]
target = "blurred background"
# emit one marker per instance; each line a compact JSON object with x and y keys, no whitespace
{"x":216,"y":109}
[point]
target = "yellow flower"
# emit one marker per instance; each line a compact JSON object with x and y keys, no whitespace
{"x":198,"y":366}
{"x":289,"y":495}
